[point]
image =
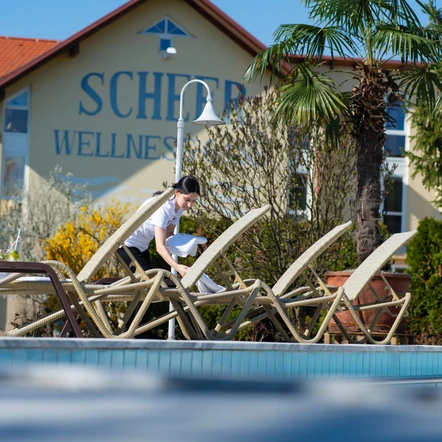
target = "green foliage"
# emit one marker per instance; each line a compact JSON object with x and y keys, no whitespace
{"x":370,"y":34}
{"x":426,"y":156}
{"x":424,"y":258}
{"x":254,"y":161}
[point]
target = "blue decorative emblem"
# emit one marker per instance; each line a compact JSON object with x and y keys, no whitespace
{"x":167,"y":30}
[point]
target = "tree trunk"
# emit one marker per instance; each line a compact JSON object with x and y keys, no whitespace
{"x":368,"y":98}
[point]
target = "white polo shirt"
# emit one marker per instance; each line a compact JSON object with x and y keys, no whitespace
{"x":164,"y":216}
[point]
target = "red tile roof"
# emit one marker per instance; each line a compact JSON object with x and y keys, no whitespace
{"x":15,"y":52}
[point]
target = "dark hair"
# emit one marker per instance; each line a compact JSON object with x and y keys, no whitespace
{"x":187,"y":184}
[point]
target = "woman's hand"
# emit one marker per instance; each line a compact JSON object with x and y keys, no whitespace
{"x":181,"y":269}
{"x":160,"y":240}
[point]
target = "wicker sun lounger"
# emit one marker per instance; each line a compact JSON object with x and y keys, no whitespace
{"x":343,"y":298}
{"x":313,"y":293}
{"x":361,"y":277}
{"x":186,"y":302}
{"x":150,"y":286}
{"x":80,"y":288}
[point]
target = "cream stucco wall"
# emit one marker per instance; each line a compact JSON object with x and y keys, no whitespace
{"x":419,"y":200}
{"x":101,"y":158}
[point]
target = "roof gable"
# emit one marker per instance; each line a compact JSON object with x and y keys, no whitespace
{"x":72,"y":45}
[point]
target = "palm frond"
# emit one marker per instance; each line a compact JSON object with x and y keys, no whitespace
{"x":352,"y":15}
{"x":434,"y":14}
{"x":398,"y":12}
{"x":305,"y":40}
{"x":421,"y":83}
{"x":311,"y":41}
{"x":412,"y":46}
{"x":309,"y":97}
{"x":275,"y":59}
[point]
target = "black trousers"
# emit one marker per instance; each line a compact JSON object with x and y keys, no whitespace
{"x":143,"y":259}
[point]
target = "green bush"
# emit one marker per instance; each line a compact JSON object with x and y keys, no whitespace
{"x":424,"y":259}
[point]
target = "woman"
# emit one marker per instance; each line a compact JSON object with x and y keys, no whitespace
{"x":161,"y":225}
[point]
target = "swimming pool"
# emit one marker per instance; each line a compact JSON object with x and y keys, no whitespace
{"x":241,"y":360}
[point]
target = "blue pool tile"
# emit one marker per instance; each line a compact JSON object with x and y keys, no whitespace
{"x":236,"y":364}
{"x":262,"y":365}
{"x":6,"y":358}
{"x":333,"y":363}
{"x":129,"y":359}
{"x":254,"y":365}
{"x":271,"y":365}
{"x":49,"y":356}
{"x":104,"y":358}
{"x":175,"y":362}
{"x":117,"y":360}
{"x":270,"y":361}
{"x":141,"y":359}
{"x":91,"y":358}
{"x":164,"y":362}
{"x":186,"y":362}
{"x":207,"y":363}
{"x":197,"y":358}
{"x":303,"y":364}
{"x":413,"y":365}
{"x":340,"y":363}
{"x":287,"y":366}
{"x":153,"y":361}
{"x":217,"y":363}
{"x":437,"y":367}
{"x":78,"y":356}
{"x":19,"y":357}
{"x":310,"y":365}
{"x":278,"y":365}
{"x":63,"y":356}
{"x":226,"y":365}
{"x":35,"y":355}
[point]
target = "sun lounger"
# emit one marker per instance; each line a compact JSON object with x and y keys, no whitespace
{"x":311,"y":291}
{"x":80,"y":288}
{"x":343,"y":298}
{"x":187,"y":302}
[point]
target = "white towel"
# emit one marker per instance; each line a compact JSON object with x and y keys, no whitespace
{"x":207,"y":285}
{"x":183,"y":244}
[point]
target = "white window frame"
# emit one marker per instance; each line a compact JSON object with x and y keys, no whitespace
{"x":303,"y":170}
{"x":401,"y":170}
{"x":9,"y":150}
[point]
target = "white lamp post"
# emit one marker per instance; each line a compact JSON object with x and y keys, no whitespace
{"x":207,"y":118}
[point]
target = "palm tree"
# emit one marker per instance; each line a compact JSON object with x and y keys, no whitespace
{"x":396,"y":57}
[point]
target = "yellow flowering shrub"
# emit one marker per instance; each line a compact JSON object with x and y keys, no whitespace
{"x":76,"y":241}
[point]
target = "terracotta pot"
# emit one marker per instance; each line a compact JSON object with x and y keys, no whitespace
{"x":400,"y":283}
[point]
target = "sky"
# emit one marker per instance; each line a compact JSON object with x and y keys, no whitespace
{"x":59,"y":19}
